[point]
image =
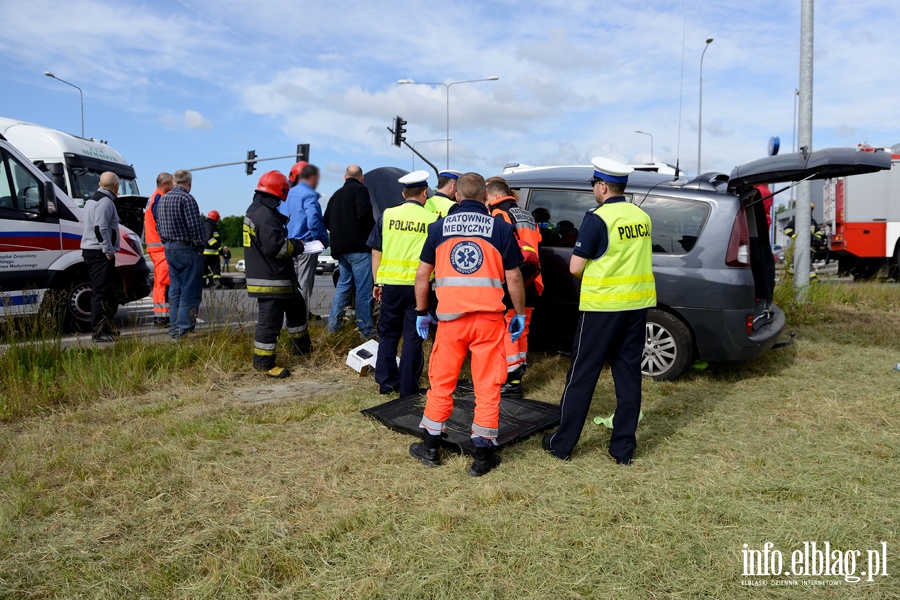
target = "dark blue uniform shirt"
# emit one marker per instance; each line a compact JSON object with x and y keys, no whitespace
{"x":502,"y":236}
{"x":593,"y":237}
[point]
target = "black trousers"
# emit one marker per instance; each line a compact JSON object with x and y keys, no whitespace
{"x":102,"y":272}
{"x":212,"y":271}
{"x":272,"y":313}
{"x":617,"y":338}
{"x":398,"y":319}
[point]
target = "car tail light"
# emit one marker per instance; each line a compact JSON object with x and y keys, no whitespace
{"x":739,"y":245}
{"x":749,"y":325}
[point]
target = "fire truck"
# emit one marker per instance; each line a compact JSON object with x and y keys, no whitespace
{"x":862,"y":215}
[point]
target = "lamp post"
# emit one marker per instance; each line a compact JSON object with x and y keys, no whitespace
{"x":700,"y":116}
{"x":447,"y":86}
{"x":425,"y":142}
{"x":80,"y":93}
{"x":651,"y":141}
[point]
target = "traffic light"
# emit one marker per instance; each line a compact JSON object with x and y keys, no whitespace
{"x":399,"y":131}
{"x":250,"y":165}
{"x":303,"y":153}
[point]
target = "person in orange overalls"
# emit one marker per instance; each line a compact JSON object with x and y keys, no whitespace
{"x":472,"y":255}
{"x":504,"y":205}
{"x":164,"y":185}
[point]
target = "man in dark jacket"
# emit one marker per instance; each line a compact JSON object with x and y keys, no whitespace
{"x":350,"y":221}
{"x":271,"y":279}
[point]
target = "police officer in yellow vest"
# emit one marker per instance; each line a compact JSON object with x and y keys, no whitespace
{"x":613,"y":259}
{"x":443,"y":200}
{"x":396,"y":244}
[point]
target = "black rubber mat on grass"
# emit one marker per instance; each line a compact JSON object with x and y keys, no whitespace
{"x":519,"y":419}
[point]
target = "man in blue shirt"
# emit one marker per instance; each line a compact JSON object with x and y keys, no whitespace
{"x":306,"y":224}
{"x":182,"y":233}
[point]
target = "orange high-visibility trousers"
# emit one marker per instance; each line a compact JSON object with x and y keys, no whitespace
{"x":517,"y":352}
{"x":482,"y":334}
{"x":160,"y":284}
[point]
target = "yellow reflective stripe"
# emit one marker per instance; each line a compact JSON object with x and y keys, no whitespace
{"x":286,"y":249}
{"x":260,"y":352}
{"x":395,"y":262}
{"x":269,"y":289}
{"x":619,"y":296}
{"x":529,"y":248}
{"x":619,"y":280}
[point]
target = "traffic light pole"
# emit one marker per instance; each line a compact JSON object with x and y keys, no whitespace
{"x":242,"y":162}
{"x":419,"y":154}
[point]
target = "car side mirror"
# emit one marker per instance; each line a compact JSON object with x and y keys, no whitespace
{"x":48,"y":198}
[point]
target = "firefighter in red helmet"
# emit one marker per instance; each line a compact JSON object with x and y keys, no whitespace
{"x":212,"y":271}
{"x":271,"y":279}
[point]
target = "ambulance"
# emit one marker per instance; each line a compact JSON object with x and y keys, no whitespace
{"x":41,"y":223}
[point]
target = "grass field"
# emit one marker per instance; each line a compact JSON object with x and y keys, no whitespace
{"x":207,"y":481}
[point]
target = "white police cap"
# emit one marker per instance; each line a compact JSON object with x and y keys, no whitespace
{"x":415,"y":179}
{"x":611,"y":170}
{"x":449,"y":173}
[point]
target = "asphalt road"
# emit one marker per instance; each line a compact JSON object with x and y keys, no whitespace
{"x":222,"y":306}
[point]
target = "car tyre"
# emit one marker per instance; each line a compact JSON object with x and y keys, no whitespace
{"x":669,"y":347}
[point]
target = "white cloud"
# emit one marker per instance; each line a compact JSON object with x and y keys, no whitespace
{"x":194,"y":120}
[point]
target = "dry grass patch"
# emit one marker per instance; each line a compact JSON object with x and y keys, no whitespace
{"x":184,"y":490}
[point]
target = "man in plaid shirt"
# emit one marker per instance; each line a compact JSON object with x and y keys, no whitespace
{"x":182,"y":234}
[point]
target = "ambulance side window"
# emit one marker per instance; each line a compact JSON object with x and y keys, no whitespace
{"x":20,"y":191}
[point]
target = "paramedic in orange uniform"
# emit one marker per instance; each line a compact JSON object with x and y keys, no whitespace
{"x":471,"y":255}
{"x":503,"y":204}
{"x":164,"y":185}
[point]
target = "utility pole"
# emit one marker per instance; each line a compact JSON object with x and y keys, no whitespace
{"x":802,"y":210}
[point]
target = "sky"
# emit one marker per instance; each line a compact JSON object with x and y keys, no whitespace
{"x":183,"y":83}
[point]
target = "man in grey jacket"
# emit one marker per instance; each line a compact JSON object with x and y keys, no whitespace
{"x":99,"y":246}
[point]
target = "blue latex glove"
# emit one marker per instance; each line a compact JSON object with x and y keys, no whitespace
{"x":517,"y":326}
{"x":422,"y":325}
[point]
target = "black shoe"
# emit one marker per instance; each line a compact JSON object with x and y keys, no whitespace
{"x":486,"y":459}
{"x":388,"y":390}
{"x":103,"y":338}
{"x":301,"y":348}
{"x":428,"y":451}
{"x":512,"y":390}
{"x":622,"y":461}
{"x":161,"y":322}
{"x":545,"y":444}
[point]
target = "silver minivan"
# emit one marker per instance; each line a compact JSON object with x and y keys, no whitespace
{"x":712,"y":257}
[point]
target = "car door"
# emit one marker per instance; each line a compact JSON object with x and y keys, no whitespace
{"x":30,"y":239}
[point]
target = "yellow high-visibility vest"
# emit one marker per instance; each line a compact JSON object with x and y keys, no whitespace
{"x":403,"y":232}
{"x":439,"y":205}
{"x":621,"y":279}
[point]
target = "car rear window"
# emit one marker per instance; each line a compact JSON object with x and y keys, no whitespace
{"x":677,"y":223}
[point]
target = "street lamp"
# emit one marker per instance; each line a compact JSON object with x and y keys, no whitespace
{"x":49,"y":74}
{"x":651,"y":141}
{"x":700,"y":117}
{"x":447,"y":86}
{"x":424,"y":142}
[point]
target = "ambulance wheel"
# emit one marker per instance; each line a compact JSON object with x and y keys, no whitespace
{"x":76,"y":300}
{"x":669,"y":347}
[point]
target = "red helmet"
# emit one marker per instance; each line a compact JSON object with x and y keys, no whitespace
{"x":295,"y":171}
{"x":214,"y":215}
{"x":275,"y":183}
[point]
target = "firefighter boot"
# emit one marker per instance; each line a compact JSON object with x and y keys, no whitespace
{"x":428,"y":450}
{"x":486,"y":458}
{"x":270,"y":368}
{"x":512,"y":389}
